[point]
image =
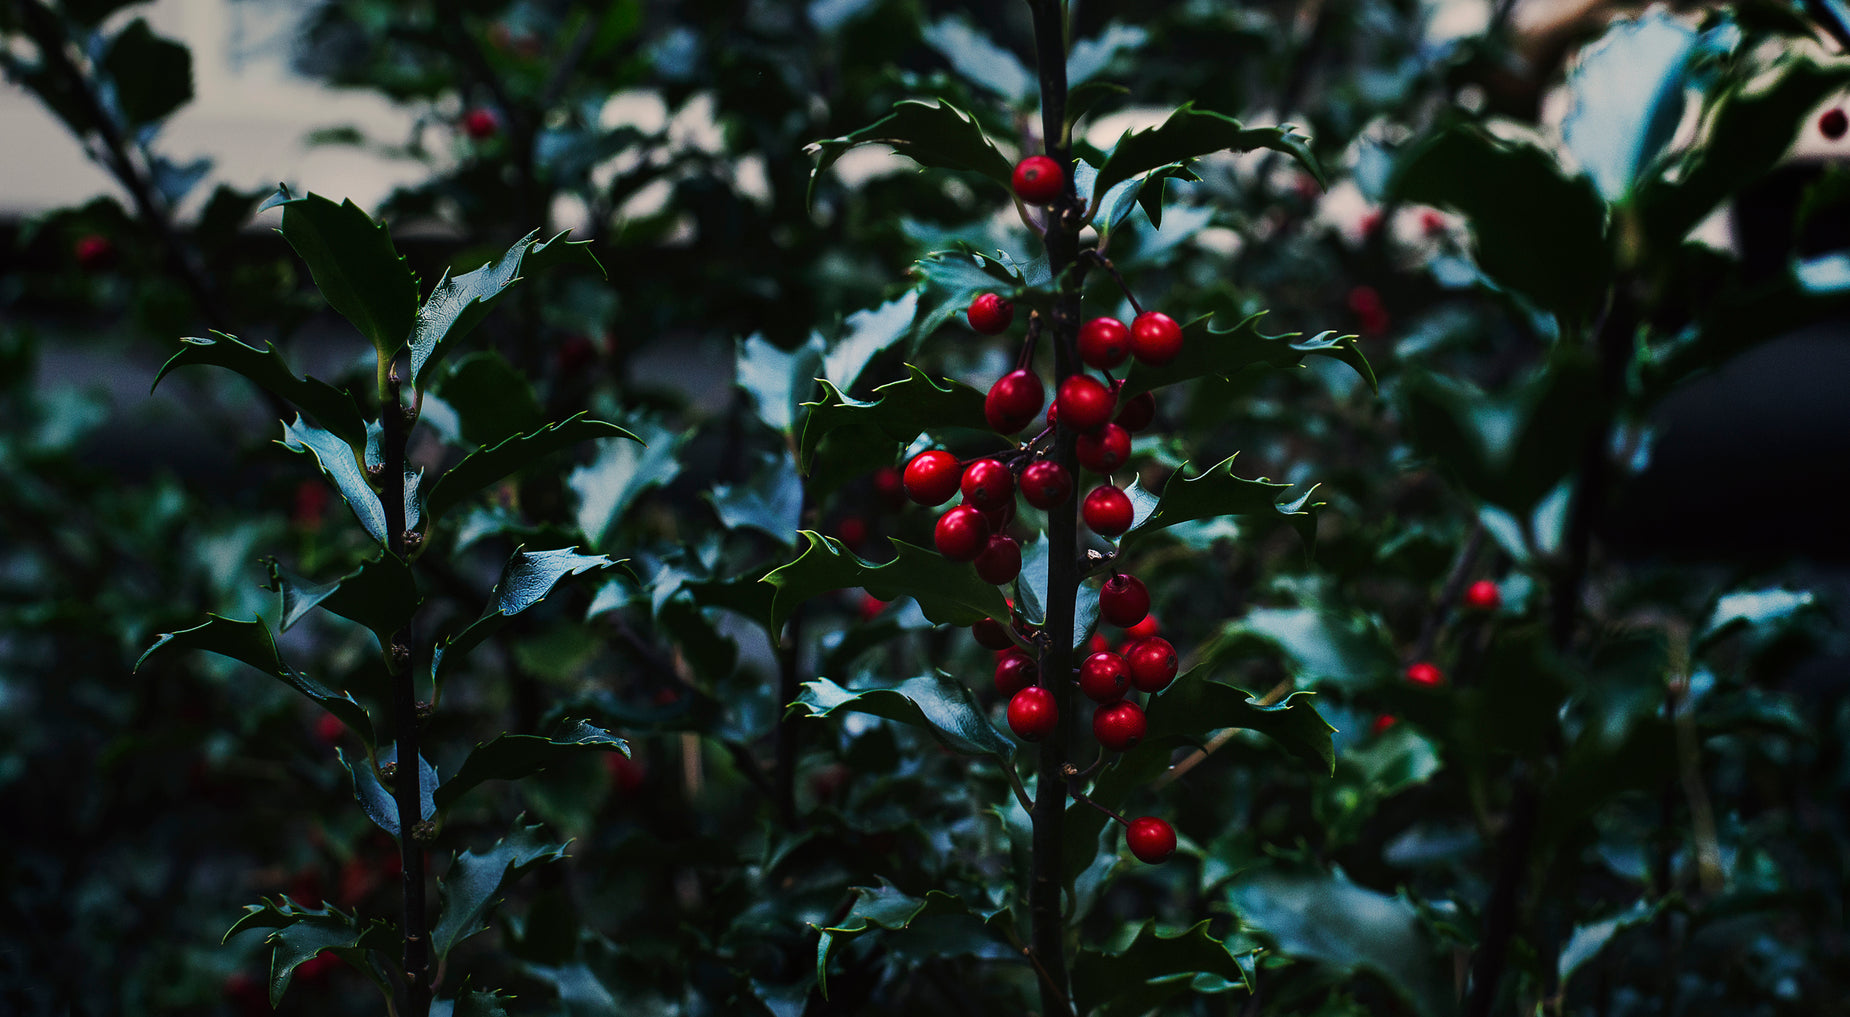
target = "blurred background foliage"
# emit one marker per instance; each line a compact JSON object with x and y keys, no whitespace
{"x":1580,"y":253}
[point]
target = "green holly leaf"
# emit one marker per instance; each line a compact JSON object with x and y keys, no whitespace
{"x":377,"y":801}
{"x":1194,"y":706}
{"x":486,"y":465}
{"x":1319,"y":645}
{"x":251,"y":643}
{"x":1190,"y":133}
{"x":459,"y":303}
{"x":1217,"y":492}
{"x":620,"y":472}
{"x":338,"y":462}
{"x":956,"y":277}
{"x":771,"y":502}
{"x":932,"y":134}
{"x":884,"y":907}
{"x":332,"y":408}
{"x":150,"y":76}
{"x":943,"y":707}
{"x":471,"y":1004}
{"x":867,"y":334}
{"x":948,"y":592}
{"x":1153,"y":970}
{"x":1550,"y":247}
{"x":1628,"y":98}
{"x":513,"y":756}
{"x":1374,"y":931}
{"x":304,"y":933}
{"x":1508,"y":448}
{"x":976,"y":58}
{"x":354,"y":265}
{"x":778,"y":380}
{"x":492,"y":400}
{"x":900,"y":411}
{"x":475,"y":881}
{"x":1748,"y":124}
{"x":1211,"y":352}
{"x":380,"y":594}
{"x":525,"y":580}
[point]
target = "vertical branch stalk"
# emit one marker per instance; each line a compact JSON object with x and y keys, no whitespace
{"x":415,"y":992}
{"x":1048,"y":941}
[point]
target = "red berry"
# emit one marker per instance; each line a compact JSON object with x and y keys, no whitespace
{"x":1038,"y":180}
{"x":1833,"y":124}
{"x":1000,"y":516}
{"x":1000,"y":561}
{"x":1423,"y":673}
{"x":871,"y":606}
{"x":1137,"y":413}
{"x":1104,"y":343}
{"x":888,"y":487}
{"x":990,"y":313}
{"x":1432,"y":223}
{"x":988,"y":484}
{"x":1144,"y":629}
{"x":1155,"y":338}
{"x":626,"y":774}
{"x":1103,"y":677}
{"x":1014,"y":401}
{"x":1032,"y":713}
{"x":1123,"y":600}
{"x":1483,"y":596}
{"x":1085,"y":404}
{"x":962,"y":533}
{"x":1015,"y":671}
{"x":481,"y":124}
{"x":1105,"y":449}
{"x":852,"y":531}
{"x":932,"y":477}
{"x":1107,"y":511}
{"x":1152,"y":663}
{"x":1098,"y":643}
{"x":1046,"y":484}
{"x":1383,"y":722}
{"x":1151,"y":839}
{"x":94,"y":252}
{"x":329,"y":728}
{"x":991,"y":635}
{"x":1118,"y":726}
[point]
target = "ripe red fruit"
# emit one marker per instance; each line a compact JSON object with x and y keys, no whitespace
{"x":328,"y":728}
{"x":1014,"y":401}
{"x":1118,"y":726}
{"x":1423,"y":673}
{"x":1032,"y":713}
{"x":626,"y":774}
{"x":1152,"y":664}
{"x":852,"y":531}
{"x":1105,"y":449}
{"x":1037,"y":180}
{"x":990,"y":313}
{"x":1046,"y":484}
{"x":1104,"y":343}
{"x":1000,"y":561}
{"x":1000,"y":516}
{"x":1833,"y":124}
{"x":870,"y":607}
{"x":962,"y":533}
{"x":991,"y":635}
{"x":988,"y":484}
{"x":1144,"y":629}
{"x":932,"y":477}
{"x":1107,"y":511}
{"x":888,"y":487}
{"x":1382,"y":723}
{"x":1015,"y":671}
{"x":94,"y":252}
{"x":1155,"y":338}
{"x":1151,"y":839}
{"x":1098,"y":643}
{"x":1483,"y":595}
{"x":1137,"y":413}
{"x":1123,"y":600}
{"x":1085,"y":404}
{"x":1103,"y":677}
{"x":481,"y":124}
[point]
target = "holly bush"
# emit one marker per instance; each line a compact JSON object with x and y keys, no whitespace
{"x":1338,"y":617}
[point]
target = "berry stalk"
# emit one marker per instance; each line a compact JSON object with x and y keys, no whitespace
{"x":1048,"y":941}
